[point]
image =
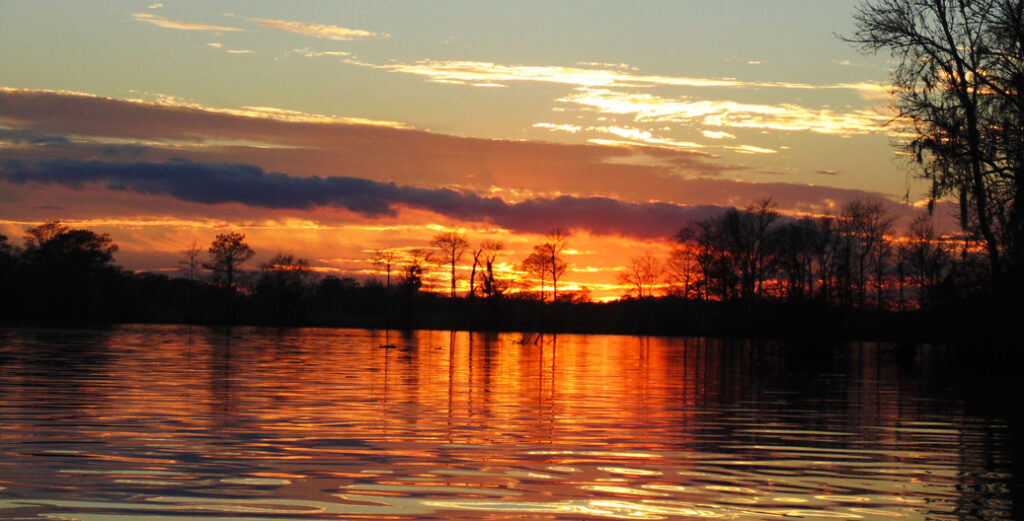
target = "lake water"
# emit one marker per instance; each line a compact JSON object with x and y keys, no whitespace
{"x":172,"y":422}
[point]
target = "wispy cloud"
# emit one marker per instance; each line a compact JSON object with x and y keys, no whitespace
{"x":714,"y":134}
{"x":572,"y":129}
{"x":645,"y":137}
{"x":313,"y":54}
{"x":160,"y":21}
{"x":464,"y":72}
{"x":786,"y":117}
{"x":750,"y":149}
{"x":325,"y":31}
{"x":239,"y":51}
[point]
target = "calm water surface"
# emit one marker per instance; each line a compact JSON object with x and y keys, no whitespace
{"x":171,"y":422}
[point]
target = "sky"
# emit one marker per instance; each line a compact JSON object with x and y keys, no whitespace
{"x":329,"y":130}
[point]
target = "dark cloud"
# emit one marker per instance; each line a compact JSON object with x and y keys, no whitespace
{"x":214,"y":183}
{"x":826,"y":172}
{"x":123,"y":150}
{"x":28,"y":137}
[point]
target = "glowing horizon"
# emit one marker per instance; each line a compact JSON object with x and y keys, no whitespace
{"x":301,"y":125}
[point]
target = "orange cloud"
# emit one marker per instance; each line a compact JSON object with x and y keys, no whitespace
{"x":304,"y":145}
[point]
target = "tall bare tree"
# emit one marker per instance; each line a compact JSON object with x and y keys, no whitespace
{"x":552,"y":250}
{"x":642,"y":275}
{"x":492,"y":285}
{"x":927,"y":255}
{"x":868,"y":226}
{"x":683,"y":271}
{"x":536,"y":265}
{"x":450,"y":246}
{"x":957,"y":90}
{"x":385,"y":258}
{"x":190,"y":262}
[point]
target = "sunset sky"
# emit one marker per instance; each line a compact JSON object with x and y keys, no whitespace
{"x":329,"y":130}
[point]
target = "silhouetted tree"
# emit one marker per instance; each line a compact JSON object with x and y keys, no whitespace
{"x":385,"y":258}
{"x":927,"y":256}
{"x":902,"y":269}
{"x":552,"y":253}
{"x":795,"y":246}
{"x":7,"y":277}
{"x":71,"y":271}
{"x":336,"y":293}
{"x":6,"y":249}
{"x":867,"y":225}
{"x":285,"y":274}
{"x":190,"y":262}
{"x":957,"y":88}
{"x":450,"y":246}
{"x":642,"y":275}
{"x":683,"y":272}
{"x":734,"y":250}
{"x":536,"y":265}
{"x":716,"y":276}
{"x":412,"y":272}
{"x":227,"y":253}
{"x":56,"y":246}
{"x":477,"y":264}
{"x":825,"y":248}
{"x":492,"y":285}
{"x":763,"y":262}
{"x":283,"y":284}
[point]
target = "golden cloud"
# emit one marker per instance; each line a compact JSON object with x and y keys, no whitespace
{"x":714,"y":134}
{"x":160,"y":21}
{"x":786,"y":117}
{"x":645,"y":137}
{"x":749,"y":149}
{"x":463,"y":72}
{"x":572,"y":129}
{"x":324,"y":31}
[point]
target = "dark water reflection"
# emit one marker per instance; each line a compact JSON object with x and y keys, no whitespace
{"x":147,"y":422}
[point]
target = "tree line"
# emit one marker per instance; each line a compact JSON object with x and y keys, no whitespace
{"x":732,"y":274}
{"x":66,"y":274}
{"x":958,"y":93}
{"x":854,"y":259}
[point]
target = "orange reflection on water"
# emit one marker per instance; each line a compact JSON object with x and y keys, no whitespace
{"x":171,"y":421}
